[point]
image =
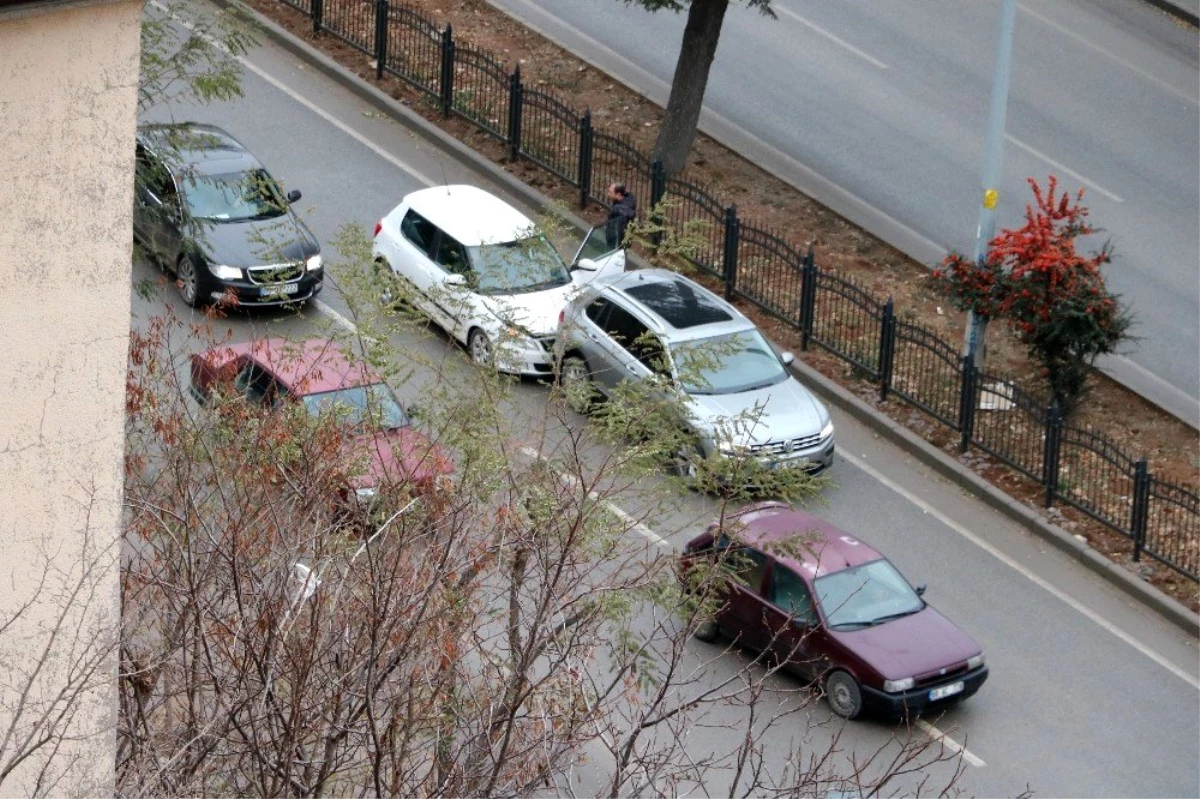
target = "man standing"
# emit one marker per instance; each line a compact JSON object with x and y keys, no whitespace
{"x":620,"y":213}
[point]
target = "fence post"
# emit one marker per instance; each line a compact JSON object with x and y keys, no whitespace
{"x":887,"y":348}
{"x":658,"y":190}
{"x":318,"y":14}
{"x":808,"y":297}
{"x":381,"y":36}
{"x":1052,"y":451}
{"x":447,"y":76}
{"x":515,"y":98}
{"x":966,"y":403}
{"x":585,"y":157}
{"x":1141,"y":507}
{"x":729,"y":252}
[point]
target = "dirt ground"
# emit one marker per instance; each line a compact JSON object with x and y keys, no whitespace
{"x":1135,"y":426}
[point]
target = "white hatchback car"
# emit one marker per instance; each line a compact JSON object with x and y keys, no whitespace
{"x":479,"y":268}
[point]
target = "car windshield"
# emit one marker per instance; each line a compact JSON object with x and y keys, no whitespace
{"x":233,"y":197}
{"x":372,"y":406}
{"x":866,"y":595}
{"x":517,"y":267}
{"x":727,"y":364}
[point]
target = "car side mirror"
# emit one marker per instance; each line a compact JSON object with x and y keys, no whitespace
{"x":586,"y":264}
{"x":920,"y":589}
{"x":455,"y":280}
{"x":787,"y":358}
{"x":293,"y":196}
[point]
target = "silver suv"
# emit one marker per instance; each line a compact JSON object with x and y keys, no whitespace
{"x":736,"y":392}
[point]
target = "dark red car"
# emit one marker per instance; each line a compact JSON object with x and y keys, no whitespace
{"x":383,"y":444}
{"x":831,"y":609}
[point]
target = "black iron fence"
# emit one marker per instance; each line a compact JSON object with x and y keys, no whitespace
{"x":905,"y":361}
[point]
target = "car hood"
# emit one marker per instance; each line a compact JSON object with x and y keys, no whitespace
{"x":785,"y":410}
{"x":536,"y":311}
{"x":284,"y":239}
{"x":919,"y":645}
{"x":395,"y":456}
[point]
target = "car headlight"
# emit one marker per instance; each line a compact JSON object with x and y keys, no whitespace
{"x":313,"y":263}
{"x":896,"y":686}
{"x":516,"y":337}
{"x":827,"y":430}
{"x":225,"y":272}
{"x":975,"y":662}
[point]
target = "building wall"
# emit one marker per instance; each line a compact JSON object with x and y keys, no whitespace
{"x":68,"y":106}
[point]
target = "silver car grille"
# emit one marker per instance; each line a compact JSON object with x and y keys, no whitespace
{"x":786,"y":447}
{"x":274,"y":273}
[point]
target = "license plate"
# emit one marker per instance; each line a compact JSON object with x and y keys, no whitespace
{"x":282,"y":288}
{"x":945,"y":691}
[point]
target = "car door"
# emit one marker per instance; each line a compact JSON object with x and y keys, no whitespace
{"x":791,"y":624}
{"x":624,"y":346}
{"x":157,"y":212}
{"x":413,"y":261}
{"x":742,"y":616}
{"x":450,"y":292}
{"x":595,"y":258}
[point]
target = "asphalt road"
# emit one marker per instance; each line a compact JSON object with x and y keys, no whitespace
{"x":879,"y":111}
{"x":1090,"y":694}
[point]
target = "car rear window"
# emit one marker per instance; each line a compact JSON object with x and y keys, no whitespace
{"x":677,"y":302}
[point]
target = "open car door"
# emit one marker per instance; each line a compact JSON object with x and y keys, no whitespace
{"x":595,"y":258}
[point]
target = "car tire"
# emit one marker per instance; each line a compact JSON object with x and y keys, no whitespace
{"x":187,"y":278}
{"x":479,"y":348}
{"x":575,"y":379}
{"x":843,"y":695}
{"x":707,"y":631}
{"x":683,"y":462}
{"x":387,"y":284}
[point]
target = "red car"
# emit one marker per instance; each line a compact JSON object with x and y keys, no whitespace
{"x":318,"y":374}
{"x":832,"y":610}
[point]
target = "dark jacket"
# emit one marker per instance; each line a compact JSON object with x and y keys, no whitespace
{"x":620,"y":214}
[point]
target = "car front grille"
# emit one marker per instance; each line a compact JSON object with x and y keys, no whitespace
{"x":786,"y":447}
{"x":275,"y":273}
{"x":931,"y":679}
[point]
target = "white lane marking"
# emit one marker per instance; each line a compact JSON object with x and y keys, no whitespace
{"x":951,"y":744}
{"x":638,"y":527}
{"x":1191,"y":98}
{"x":1062,"y":168}
{"x":875,"y":62}
{"x":326,"y":309}
{"x":309,"y":104}
{"x":1012,"y":564}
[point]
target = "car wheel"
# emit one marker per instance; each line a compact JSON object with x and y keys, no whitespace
{"x":683,"y":462}
{"x":707,"y":631}
{"x":843,"y":695}
{"x":387,"y":284}
{"x":479,"y":348}
{"x":576,"y":381}
{"x":188,"y":280}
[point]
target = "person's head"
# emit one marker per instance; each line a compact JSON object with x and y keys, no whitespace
{"x":616,"y":191}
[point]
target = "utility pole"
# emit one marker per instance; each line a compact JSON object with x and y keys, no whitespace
{"x":993,"y":150}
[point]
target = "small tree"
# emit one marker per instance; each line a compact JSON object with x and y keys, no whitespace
{"x":1054,"y":298}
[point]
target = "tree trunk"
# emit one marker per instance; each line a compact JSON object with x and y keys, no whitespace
{"x":696,"y":54}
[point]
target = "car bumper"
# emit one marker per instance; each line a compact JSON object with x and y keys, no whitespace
{"x":526,"y":362}
{"x":245,"y":293}
{"x":917,"y":701}
{"x":814,"y":461}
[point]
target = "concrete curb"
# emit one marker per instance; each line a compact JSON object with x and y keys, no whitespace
{"x":1180,"y":10}
{"x":823,"y":386}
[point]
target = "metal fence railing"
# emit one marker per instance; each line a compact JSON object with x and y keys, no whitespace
{"x":905,"y":361}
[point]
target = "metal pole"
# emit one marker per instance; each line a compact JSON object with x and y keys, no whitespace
{"x":994,"y":149}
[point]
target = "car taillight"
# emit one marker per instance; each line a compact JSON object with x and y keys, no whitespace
{"x":378,"y":227}
{"x":561,"y":316}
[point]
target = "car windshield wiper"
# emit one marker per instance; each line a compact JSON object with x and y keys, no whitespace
{"x":850,"y":625}
{"x":894,"y":616}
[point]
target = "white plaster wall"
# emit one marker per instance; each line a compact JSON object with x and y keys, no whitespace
{"x":68,"y":77}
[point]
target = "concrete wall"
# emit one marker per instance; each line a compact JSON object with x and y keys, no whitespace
{"x":68,"y":105}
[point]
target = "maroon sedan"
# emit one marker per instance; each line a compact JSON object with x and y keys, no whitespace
{"x":831,"y":609}
{"x":318,"y":374}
